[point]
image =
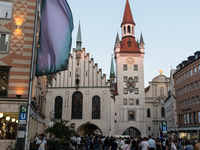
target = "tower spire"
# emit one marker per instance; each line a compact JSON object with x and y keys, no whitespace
{"x":128,"y":18}
{"x":117,"y":39}
{"x":79,"y":39}
{"x":112,"y":70}
{"x":141,"y":39}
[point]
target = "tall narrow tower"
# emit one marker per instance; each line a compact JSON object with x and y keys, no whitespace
{"x":130,"y":101}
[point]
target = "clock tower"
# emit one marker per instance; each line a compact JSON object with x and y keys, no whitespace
{"x":130,"y":101}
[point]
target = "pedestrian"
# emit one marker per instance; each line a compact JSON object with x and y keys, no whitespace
{"x":152,"y":143}
{"x":173,"y":145}
{"x":197,"y":146}
{"x":189,"y":145}
{"x":78,"y":141}
{"x":97,"y":143}
{"x":41,"y":143}
{"x":113,"y":144}
{"x":144,"y":144}
{"x":126,"y":146}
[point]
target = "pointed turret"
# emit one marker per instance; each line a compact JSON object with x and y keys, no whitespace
{"x":141,"y":45}
{"x":112,"y":69}
{"x":78,"y":40}
{"x":128,"y":18}
{"x":117,"y":41}
{"x":141,"y":39}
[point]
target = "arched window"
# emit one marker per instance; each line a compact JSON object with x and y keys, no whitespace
{"x":162,"y":112}
{"x":132,"y":29}
{"x":77,"y":105}
{"x":148,"y":113}
{"x":129,"y":29}
{"x":124,"y":29}
{"x":96,"y":107}
{"x":58,"y":107}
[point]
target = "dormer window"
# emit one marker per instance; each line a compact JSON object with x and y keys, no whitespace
{"x":129,"y":43}
{"x":196,"y":56}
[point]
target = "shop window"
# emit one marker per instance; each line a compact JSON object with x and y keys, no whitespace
{"x":4,"y":74}
{"x":4,"y":41}
{"x":96,"y":107}
{"x":148,"y":113}
{"x":131,"y":101}
{"x":8,"y":125}
{"x":6,"y":9}
{"x":131,"y":115}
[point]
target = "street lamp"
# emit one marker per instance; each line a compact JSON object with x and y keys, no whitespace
{"x":13,"y":120}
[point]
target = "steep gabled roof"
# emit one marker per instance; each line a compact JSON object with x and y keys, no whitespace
{"x":128,"y":18}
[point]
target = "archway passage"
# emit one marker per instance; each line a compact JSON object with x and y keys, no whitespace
{"x":132,"y":132}
{"x":90,"y":129}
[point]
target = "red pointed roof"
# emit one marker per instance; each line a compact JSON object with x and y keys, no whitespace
{"x":128,"y":18}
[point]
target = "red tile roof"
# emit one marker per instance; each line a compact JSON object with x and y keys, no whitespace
{"x":134,"y":46}
{"x":128,"y":18}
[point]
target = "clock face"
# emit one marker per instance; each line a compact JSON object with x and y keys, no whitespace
{"x":130,"y":60}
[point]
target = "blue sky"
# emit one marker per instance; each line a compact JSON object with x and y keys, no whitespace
{"x":171,"y":30}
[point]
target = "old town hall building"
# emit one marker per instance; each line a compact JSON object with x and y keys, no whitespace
{"x":84,"y":96}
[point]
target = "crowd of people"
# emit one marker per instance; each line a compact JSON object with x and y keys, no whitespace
{"x":118,"y":143}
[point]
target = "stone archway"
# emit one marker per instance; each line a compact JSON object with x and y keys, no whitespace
{"x":89,"y":129}
{"x":132,"y":132}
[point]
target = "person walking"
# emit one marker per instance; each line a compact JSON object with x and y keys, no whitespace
{"x":113,"y":144}
{"x":97,"y":143}
{"x":144,"y":144}
{"x":126,"y":146}
{"x":152,"y":143}
{"x":197,"y":146}
{"x":41,"y":143}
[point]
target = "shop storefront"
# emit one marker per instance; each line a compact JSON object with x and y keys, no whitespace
{"x":8,"y":125}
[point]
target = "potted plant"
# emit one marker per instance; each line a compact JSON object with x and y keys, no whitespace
{"x":62,"y":133}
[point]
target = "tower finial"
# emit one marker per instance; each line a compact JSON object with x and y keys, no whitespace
{"x":112,"y":70}
{"x":79,"y":39}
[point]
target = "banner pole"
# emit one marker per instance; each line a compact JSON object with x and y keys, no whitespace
{"x":31,"y":74}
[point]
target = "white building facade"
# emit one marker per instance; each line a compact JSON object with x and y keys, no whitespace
{"x":155,"y":95}
{"x":83,"y":96}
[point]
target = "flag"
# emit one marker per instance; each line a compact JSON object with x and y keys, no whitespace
{"x":54,"y":45}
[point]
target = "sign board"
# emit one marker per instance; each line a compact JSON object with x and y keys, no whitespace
{"x":20,"y":134}
{"x":164,"y":123}
{"x":164,"y":128}
{"x":22,"y":118}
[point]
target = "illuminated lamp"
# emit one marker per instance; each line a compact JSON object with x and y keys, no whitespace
{"x":13,"y":120}
{"x":1,"y":115}
{"x":16,"y":121}
{"x":7,"y":118}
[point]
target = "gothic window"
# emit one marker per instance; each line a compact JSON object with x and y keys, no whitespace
{"x":124,"y":30}
{"x":129,"y":29}
{"x":148,"y":113}
{"x":162,"y":112}
{"x":58,"y":107}
{"x":77,"y":105}
{"x":96,"y":107}
{"x":129,"y":43}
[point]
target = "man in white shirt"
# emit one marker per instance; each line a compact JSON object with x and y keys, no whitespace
{"x":173,"y":146}
{"x":144,"y":144}
{"x":152,"y":143}
{"x":78,"y":140}
{"x":42,"y":143}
